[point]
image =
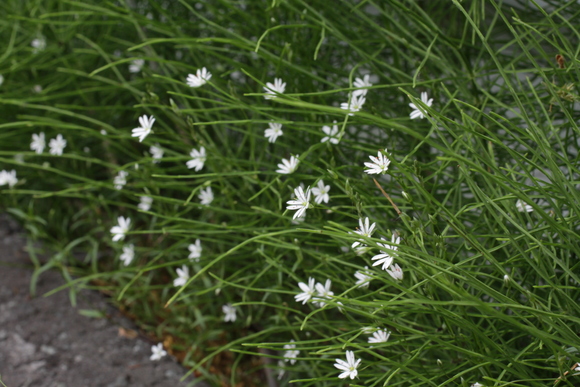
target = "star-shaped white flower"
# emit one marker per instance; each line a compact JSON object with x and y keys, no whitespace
{"x":145,"y":203}
{"x":477,"y":385}
{"x":205,"y":196}
{"x":156,"y":152}
{"x":321,"y":192}
{"x":273,"y":132}
{"x":121,"y":229}
{"x":417,"y":112}
{"x":199,"y":79}
{"x":307,"y":291}
{"x":363,"y":278}
{"x":38,"y":143}
{"x":364,"y":230}
{"x":288,"y":166}
{"x":198,"y":159}
{"x":229,"y":312}
{"x":387,"y":255}
{"x":349,"y":366}
{"x":300,"y":203}
{"x":195,"y":251}
{"x":354,"y":105}
{"x":323,"y":292}
{"x":331,"y":134}
{"x":523,"y":206}
{"x":361,"y":85}
{"x":182,"y":276}
{"x":128,"y":254}
{"x":380,"y":164}
{"x":57,"y":145}
{"x":136,"y":65}
{"x":396,"y":272}
{"x":38,"y":44}
{"x":272,"y":89}
{"x":145,"y":128}
{"x":380,"y":336}
{"x":8,"y":178}
{"x":157,"y":352}
{"x":121,"y":179}
{"x":291,"y":352}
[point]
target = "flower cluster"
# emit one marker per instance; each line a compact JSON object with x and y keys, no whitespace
{"x":318,"y":292}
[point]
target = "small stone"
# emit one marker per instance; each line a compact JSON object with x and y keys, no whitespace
{"x":32,"y":368}
{"x":48,"y":350}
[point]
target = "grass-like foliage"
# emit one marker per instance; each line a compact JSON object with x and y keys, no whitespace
{"x":475,"y":192}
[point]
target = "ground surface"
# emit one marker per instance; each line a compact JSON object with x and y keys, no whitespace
{"x":45,"y":342}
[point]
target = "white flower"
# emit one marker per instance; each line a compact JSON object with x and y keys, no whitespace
{"x":307,"y":291}
{"x":321,"y":192}
{"x":121,"y":179}
{"x":396,"y":272}
{"x":380,"y":336}
{"x":157,"y":352}
{"x":145,"y":203}
{"x":136,"y":65}
{"x":363,"y":278}
{"x":121,"y":229}
{"x":281,"y":370}
{"x":8,"y":178}
{"x":323,"y":293}
{"x":273,"y":132}
{"x":199,"y":79}
{"x":229,"y":312}
{"x":361,"y":84}
{"x":477,"y":385}
{"x":57,"y":145}
{"x":272,"y":89}
{"x":288,"y":166}
{"x":198,"y":159}
{"x":195,"y":251}
{"x":301,"y":203}
{"x":206,"y":197}
{"x":38,"y":143}
{"x":37,"y":89}
{"x":386,"y":256}
{"x":38,"y":44}
{"x":417,"y":113}
{"x":331,"y":134}
{"x":364,"y":230}
{"x":156,"y":152}
{"x":348,"y":367}
{"x":182,"y":276}
{"x":354,"y":105}
{"x":380,"y":164}
{"x":128,"y":254}
{"x":145,"y":128}
{"x":291,"y":354}
{"x":523,"y":206}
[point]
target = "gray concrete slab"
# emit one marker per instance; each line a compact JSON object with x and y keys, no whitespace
{"x":45,"y":342}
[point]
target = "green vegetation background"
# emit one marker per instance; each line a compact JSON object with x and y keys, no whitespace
{"x":489,"y":295}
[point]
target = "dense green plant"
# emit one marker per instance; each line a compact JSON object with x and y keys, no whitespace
{"x":481,"y":189}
